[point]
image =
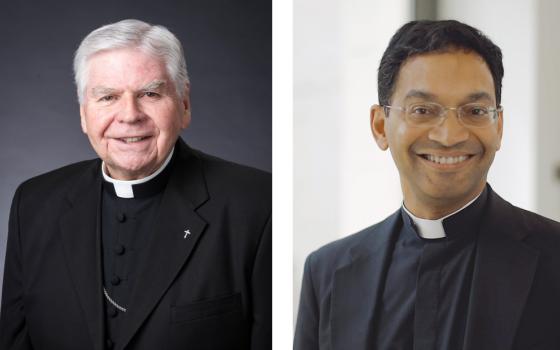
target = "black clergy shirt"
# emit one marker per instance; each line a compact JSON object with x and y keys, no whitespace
{"x":426,"y":293}
{"x":126,"y":225}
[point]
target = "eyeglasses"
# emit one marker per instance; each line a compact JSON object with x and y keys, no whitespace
{"x":432,"y":114}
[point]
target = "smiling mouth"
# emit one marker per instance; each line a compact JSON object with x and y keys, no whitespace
{"x":445,"y":160}
{"x":133,"y":139}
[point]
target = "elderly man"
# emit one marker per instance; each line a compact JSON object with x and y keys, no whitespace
{"x":154,"y":245}
{"x":456,"y":267}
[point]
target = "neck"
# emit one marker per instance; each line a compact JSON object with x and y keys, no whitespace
{"x":127,"y":188}
{"x":127,"y":176}
{"x":435,"y":208}
{"x":108,"y":174}
{"x":117,"y":175}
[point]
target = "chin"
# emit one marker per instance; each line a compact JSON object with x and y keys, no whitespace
{"x":450,"y":192}
{"x":132,"y":168}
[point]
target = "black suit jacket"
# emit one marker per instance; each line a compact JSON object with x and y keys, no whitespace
{"x":211,"y":290}
{"x":514,"y":301}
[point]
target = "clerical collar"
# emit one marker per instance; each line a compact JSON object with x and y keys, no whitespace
{"x":145,"y":187}
{"x":434,"y":229}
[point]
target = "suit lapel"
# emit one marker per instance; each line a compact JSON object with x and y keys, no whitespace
{"x":503,"y":274}
{"x":82,"y":248}
{"x":358,"y":285}
{"x":179,"y":229}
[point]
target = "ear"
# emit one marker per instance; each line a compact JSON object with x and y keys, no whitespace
{"x":500,"y":126}
{"x":377,"y":123}
{"x":83,"y":119}
{"x":186,"y":106}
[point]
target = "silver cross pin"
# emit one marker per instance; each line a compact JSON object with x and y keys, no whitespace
{"x":187,"y":232}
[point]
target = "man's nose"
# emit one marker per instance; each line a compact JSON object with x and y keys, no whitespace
{"x":130,"y":112}
{"x":450,"y":132}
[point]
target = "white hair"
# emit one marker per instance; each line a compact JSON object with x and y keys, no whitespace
{"x":131,"y":33}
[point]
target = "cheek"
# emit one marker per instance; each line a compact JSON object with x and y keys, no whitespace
{"x":402,"y":140}
{"x":490,"y":143}
{"x":167,"y":123}
{"x":402,"y":135}
{"x":97,"y":124}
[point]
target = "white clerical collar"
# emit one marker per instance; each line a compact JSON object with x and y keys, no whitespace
{"x":124,"y":188}
{"x":432,"y":229}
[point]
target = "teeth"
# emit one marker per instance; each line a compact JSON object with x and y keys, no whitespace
{"x":132,"y":139}
{"x":445,"y":160}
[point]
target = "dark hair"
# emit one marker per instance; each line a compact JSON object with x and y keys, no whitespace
{"x":419,"y":37}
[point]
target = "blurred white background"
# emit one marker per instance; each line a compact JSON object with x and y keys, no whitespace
{"x":342,"y":181}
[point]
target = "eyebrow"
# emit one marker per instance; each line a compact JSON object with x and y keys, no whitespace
{"x":475,"y":96}
{"x":154,"y":85}
{"x":103,"y":90}
{"x":420,"y":94}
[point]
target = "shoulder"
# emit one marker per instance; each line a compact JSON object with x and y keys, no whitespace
{"x":540,"y":232}
{"x":538,"y":223}
{"x":56,"y":182}
{"x":541,"y":236}
{"x":218,"y":167}
{"x":338,"y":252}
{"x":535,"y":231}
{"x":342,"y":252}
{"x":227,"y":179}
{"x":322,"y":265}
{"x":528,"y":225}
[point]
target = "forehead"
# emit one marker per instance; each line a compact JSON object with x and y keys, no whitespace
{"x":448,"y":75}
{"x":124,"y":68}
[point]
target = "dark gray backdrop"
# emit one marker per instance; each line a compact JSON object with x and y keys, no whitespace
{"x":229,"y":57}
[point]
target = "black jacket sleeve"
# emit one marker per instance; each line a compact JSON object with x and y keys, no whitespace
{"x":307,"y":326}
{"x":13,"y":328}
{"x":261,"y":332}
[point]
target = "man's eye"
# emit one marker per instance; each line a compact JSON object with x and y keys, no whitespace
{"x":107,"y":98}
{"x":422,"y":110}
{"x":419,"y":110}
{"x":475,"y":111}
{"x":478,"y":111}
{"x":151,"y":94}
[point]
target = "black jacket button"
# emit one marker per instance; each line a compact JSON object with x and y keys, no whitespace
{"x":121,"y":217}
{"x":115,"y":280}
{"x":119,"y":249}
